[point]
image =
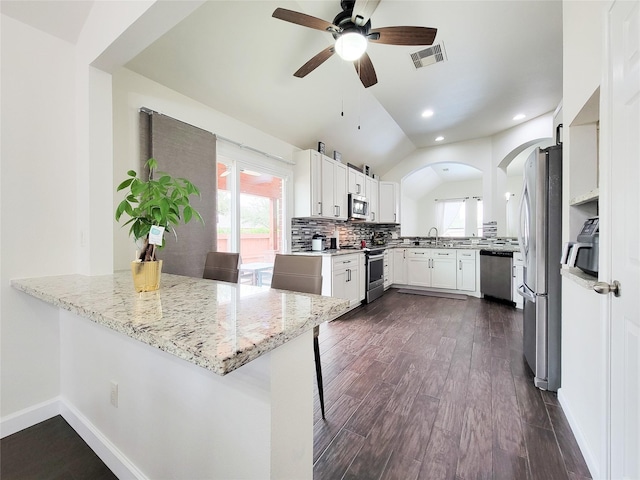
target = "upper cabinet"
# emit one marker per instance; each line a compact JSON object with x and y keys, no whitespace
{"x":320,"y":186}
{"x":356,"y":182}
{"x":334,"y":189}
{"x":388,"y":202}
{"x":371,"y":192}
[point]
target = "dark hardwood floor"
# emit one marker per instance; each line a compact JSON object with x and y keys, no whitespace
{"x":50,"y":450}
{"x":421,"y":387}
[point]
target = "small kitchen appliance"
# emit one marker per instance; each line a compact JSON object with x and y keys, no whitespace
{"x":584,"y":253}
{"x":317,"y":242}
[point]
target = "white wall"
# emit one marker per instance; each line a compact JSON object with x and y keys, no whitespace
{"x":490,"y":155}
{"x":427,"y":204}
{"x":132,"y":91}
{"x":38,"y":204}
{"x":583,"y":348}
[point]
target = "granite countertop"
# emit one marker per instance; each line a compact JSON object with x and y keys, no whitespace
{"x":330,"y":252}
{"x":495,"y":248}
{"x":215,"y":325}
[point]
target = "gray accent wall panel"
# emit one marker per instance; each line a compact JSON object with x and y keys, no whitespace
{"x":183,"y":150}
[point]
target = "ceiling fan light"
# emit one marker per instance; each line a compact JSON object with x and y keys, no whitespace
{"x":350,"y":46}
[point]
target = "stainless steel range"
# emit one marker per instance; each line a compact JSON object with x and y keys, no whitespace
{"x":375,"y":273}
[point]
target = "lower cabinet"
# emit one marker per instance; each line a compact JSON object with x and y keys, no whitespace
{"x":400,"y":266}
{"x":388,"y":269}
{"x":466,"y":275}
{"x":428,"y":267}
{"x":518,"y":279}
{"x":343,"y":277}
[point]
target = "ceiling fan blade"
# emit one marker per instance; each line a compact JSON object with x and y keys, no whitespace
{"x":403,"y":35}
{"x":365,"y":70}
{"x":362,"y":11}
{"x":303,"y":19}
{"x":315,"y":62}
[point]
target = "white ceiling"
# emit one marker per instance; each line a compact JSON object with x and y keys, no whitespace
{"x":61,"y":18}
{"x":503,"y":58}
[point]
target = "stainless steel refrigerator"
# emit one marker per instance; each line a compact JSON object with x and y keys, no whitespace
{"x":541,"y":245}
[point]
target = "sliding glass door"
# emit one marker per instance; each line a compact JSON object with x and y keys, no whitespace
{"x":251,"y":216}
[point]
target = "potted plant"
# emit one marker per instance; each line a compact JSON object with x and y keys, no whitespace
{"x":154,"y":206}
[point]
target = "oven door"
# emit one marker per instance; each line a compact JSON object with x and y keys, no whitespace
{"x":375,"y":277}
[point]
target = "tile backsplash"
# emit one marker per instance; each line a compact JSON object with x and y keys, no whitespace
{"x":349,"y":232}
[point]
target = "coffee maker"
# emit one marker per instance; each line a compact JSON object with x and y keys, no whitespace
{"x":584,"y":252}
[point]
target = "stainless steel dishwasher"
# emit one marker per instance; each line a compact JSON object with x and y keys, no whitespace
{"x":495,"y":274}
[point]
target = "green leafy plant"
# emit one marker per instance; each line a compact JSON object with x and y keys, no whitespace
{"x":163,"y":202}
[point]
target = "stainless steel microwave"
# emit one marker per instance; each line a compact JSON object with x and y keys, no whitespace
{"x":358,"y":207}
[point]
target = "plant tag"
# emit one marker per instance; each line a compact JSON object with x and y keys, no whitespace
{"x":155,"y":235}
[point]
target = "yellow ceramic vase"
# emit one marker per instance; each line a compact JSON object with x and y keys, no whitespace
{"x":146,"y":275}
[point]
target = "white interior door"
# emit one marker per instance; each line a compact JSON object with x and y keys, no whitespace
{"x":623,"y":96}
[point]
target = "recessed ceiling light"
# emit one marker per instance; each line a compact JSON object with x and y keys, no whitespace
{"x":519,"y":116}
{"x":445,"y":169}
{"x":427,"y":113}
{"x":440,"y":138}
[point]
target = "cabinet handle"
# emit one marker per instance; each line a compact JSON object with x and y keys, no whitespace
{"x":357,"y":188}
{"x":459,"y":264}
{"x":514,"y":271}
{"x":348,"y":274}
{"x":394,"y":218}
{"x":373,"y":216}
{"x":319,"y":208}
{"x":418,"y":253}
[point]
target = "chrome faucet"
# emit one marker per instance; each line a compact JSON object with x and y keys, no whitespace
{"x":429,"y":234}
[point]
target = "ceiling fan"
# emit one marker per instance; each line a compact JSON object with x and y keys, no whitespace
{"x":352,"y":31}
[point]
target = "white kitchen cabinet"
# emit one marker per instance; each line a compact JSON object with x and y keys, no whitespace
{"x":342,"y":277}
{"x":518,"y":278}
{"x":371,"y":192}
{"x":466,"y":274}
{"x":434,"y":268}
{"x":307,"y":184}
{"x":443,"y":268}
{"x":400,"y":266}
{"x":356,"y":182}
{"x":418,"y":267}
{"x":388,"y":269}
{"x":320,"y":186}
{"x":389,"y":203}
{"x":334,"y":189}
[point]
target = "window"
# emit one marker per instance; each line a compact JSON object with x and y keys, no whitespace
{"x":461,"y":217}
{"x":260,"y":216}
{"x":251,"y":212}
{"x":451,"y":217}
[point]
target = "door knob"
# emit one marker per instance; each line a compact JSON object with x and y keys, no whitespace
{"x":603,"y":288}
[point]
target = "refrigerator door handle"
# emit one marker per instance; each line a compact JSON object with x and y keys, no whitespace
{"x":523,"y":224}
{"x":526,"y":292}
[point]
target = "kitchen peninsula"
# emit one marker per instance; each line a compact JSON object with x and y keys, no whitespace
{"x":200,"y":379}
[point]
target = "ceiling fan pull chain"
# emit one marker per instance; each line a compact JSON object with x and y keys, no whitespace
{"x":359,"y":94}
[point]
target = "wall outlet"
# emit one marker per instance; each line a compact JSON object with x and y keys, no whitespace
{"x":114,"y":394}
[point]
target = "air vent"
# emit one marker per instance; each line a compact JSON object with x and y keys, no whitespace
{"x":429,"y":56}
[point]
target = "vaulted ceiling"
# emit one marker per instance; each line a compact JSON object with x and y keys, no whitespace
{"x":502,"y":58}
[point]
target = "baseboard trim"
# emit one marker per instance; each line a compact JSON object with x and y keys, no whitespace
{"x":585,"y":449}
{"x":112,"y":457}
{"x":29,"y":417}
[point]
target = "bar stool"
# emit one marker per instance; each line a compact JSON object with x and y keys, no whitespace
{"x":302,"y":273}
{"x":222,"y":266}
